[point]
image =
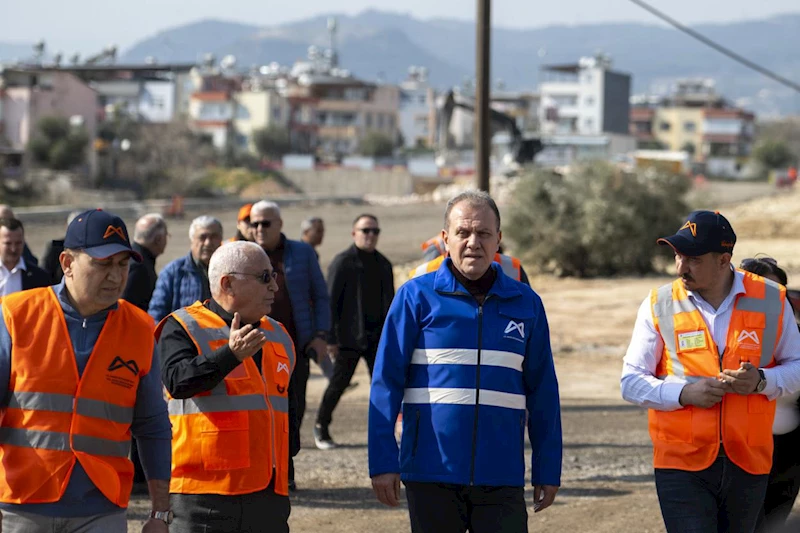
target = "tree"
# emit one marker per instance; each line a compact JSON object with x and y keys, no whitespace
{"x":773,"y":154}
{"x":272,"y":142}
{"x":58,"y":145}
{"x":376,"y":144}
{"x":595,"y":221}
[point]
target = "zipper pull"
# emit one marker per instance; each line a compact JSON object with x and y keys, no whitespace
{"x":84,"y":323}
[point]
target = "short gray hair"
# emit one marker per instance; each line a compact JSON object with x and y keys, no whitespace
{"x":229,"y":258}
{"x":204,"y":221}
{"x":265,"y":205}
{"x":148,"y":227}
{"x":308,"y":223}
{"x":473,"y":198}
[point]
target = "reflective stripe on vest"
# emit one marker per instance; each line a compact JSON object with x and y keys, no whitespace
{"x":63,"y":403}
{"x":666,"y":308}
{"x":51,"y":440}
{"x":508,"y":266}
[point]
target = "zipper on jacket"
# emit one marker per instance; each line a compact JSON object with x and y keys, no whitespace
{"x":84,"y":323}
{"x":416,"y":437}
{"x":477,"y":393}
{"x":721,"y":410}
{"x":272,"y":424}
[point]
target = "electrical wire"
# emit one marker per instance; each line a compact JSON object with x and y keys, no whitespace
{"x":718,"y":47}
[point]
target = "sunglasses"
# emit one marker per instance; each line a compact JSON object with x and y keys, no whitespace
{"x":367,"y":231}
{"x":262,"y":223}
{"x":265,"y":277}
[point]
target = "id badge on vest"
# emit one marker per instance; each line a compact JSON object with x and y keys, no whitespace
{"x":692,"y":340}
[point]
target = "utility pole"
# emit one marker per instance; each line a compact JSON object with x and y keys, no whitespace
{"x":482,"y":87}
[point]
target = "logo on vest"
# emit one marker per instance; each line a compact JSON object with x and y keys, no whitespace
{"x":511,"y":327}
{"x":118,"y":364}
{"x":283,"y":367}
{"x":749,"y":339}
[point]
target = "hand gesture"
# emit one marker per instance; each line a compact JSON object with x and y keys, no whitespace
{"x":244,"y":342}
{"x":704,"y":393}
{"x":742,"y":381}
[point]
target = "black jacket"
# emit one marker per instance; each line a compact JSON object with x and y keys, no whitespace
{"x":50,"y":260}
{"x":141,"y":279}
{"x":345,"y":281}
{"x":34,"y":277}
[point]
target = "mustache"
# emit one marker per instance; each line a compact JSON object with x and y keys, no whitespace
{"x":687,"y":277}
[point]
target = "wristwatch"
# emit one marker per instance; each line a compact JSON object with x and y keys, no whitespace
{"x":762,"y":384}
{"x":165,"y":516}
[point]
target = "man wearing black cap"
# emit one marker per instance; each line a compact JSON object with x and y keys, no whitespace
{"x":710,"y":352}
{"x":83,"y":378}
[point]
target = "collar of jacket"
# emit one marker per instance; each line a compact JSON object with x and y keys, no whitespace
{"x":504,"y":287}
{"x":146,"y":253}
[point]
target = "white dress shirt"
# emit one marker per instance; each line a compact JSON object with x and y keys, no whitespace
{"x":640,"y":384}
{"x":11,"y":280}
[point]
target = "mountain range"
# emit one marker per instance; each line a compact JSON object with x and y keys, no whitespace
{"x":383,"y":45}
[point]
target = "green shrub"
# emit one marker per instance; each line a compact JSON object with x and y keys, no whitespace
{"x":595,"y":221}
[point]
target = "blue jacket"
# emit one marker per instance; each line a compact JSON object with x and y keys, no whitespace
{"x":178,"y":285}
{"x":465,"y":375}
{"x":307,"y":291}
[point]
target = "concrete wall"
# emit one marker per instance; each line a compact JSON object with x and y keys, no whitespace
{"x":352,"y":181}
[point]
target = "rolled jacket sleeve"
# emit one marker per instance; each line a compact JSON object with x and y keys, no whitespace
{"x":639,"y":383}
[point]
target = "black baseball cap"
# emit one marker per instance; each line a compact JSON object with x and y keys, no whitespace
{"x":100,"y":234}
{"x":702,"y":233}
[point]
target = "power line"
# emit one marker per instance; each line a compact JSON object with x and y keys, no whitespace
{"x":718,"y":47}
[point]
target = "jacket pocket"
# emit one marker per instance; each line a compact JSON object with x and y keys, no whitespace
{"x":280,"y":370}
{"x":675,"y":426}
{"x":228,"y":446}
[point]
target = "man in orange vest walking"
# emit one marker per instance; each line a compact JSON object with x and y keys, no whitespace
{"x":226,"y":367}
{"x":710,"y":352}
{"x":77,"y":378}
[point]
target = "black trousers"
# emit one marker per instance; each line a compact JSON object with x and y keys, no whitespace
{"x":298,"y":384}
{"x":784,"y":483}
{"x":447,"y":508}
{"x":259,"y":512}
{"x":343,"y":369}
{"x":723,"y":498}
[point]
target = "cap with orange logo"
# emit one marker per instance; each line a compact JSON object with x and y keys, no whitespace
{"x":244,"y":212}
{"x":703,"y":232}
{"x":100,"y":234}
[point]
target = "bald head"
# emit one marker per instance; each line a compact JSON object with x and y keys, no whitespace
{"x":6,"y":211}
{"x":150,"y":232}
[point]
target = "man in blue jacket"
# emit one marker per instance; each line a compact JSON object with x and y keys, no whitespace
{"x":185,"y":280}
{"x":301,"y":304}
{"x":466,"y":350}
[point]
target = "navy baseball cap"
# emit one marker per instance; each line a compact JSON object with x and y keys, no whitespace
{"x":702,"y":233}
{"x":100,"y":234}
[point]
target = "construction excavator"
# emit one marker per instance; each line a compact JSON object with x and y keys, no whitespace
{"x":521,"y":150}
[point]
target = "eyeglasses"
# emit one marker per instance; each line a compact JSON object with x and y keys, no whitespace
{"x":265,"y":277}
{"x":262,"y":223}
{"x":367,"y":231}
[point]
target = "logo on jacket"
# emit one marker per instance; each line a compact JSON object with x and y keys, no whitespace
{"x":283,"y":367}
{"x":519,"y":327}
{"x":748,"y":335}
{"x":112,"y":230}
{"x":118,"y":363}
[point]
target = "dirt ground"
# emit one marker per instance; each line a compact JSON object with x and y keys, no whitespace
{"x":607,"y":484}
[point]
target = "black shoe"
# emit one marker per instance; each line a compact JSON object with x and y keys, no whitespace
{"x":322,"y":438}
{"x":292,"y":486}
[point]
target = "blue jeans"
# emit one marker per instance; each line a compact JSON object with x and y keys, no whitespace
{"x":723,"y":498}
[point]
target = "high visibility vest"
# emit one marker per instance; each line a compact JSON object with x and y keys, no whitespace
{"x":511,"y":266}
{"x":229,"y":440}
{"x":436,"y":242}
{"x":54,"y":417}
{"x":689,"y":438}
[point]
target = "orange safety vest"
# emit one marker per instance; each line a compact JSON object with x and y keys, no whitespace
{"x":54,"y":417}
{"x":436,"y":242}
{"x":230,"y":439}
{"x":689,"y":438}
{"x":511,"y":266}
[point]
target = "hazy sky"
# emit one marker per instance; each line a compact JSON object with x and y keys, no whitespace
{"x":88,"y":25}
